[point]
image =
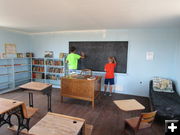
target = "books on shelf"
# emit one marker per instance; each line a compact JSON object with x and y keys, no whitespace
{"x":20,"y":55}
{"x":55,"y":70}
{"x":53,"y":77}
{"x":38,"y":62}
{"x":29,"y":54}
{"x":62,"y":55}
{"x":38,"y":69}
{"x":38,"y":75}
{"x":54,"y":62}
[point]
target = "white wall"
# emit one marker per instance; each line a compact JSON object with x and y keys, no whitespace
{"x":162,"y":42}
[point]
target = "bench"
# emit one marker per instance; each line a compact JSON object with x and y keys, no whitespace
{"x":28,"y":113}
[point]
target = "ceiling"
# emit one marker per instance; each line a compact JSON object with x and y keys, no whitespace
{"x":61,"y":15}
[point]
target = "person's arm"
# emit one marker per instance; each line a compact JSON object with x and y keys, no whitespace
{"x":114,"y":60}
{"x":82,"y":55}
{"x":105,"y":68}
{"x":67,"y":59}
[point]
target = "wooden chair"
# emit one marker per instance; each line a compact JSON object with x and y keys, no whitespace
{"x":143,"y":122}
{"x":86,"y":72}
{"x":28,"y":113}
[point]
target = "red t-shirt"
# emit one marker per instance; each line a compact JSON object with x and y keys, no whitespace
{"x":109,"y":68}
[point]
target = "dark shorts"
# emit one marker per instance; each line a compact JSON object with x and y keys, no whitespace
{"x":109,"y":81}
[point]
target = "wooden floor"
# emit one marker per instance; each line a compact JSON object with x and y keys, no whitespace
{"x":106,"y":118}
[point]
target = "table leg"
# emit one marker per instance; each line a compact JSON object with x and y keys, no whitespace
{"x":31,"y":99}
{"x":49,"y":102}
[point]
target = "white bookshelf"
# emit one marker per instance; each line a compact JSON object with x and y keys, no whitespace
{"x":17,"y":71}
{"x":51,"y":69}
{"x":14,"y":72}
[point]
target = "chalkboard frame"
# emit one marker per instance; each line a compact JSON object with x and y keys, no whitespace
{"x":123,"y":46}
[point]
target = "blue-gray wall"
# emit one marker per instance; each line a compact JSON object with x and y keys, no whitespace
{"x":177,"y":65}
{"x":163,"y":42}
{"x":21,"y":40}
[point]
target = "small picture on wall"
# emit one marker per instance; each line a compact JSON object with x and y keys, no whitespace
{"x":20,"y":55}
{"x":48,"y":54}
{"x":3,"y":55}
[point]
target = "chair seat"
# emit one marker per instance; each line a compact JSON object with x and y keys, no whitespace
{"x":132,"y":122}
{"x":31,"y":111}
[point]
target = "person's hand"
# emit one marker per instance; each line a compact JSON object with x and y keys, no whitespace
{"x":82,"y":54}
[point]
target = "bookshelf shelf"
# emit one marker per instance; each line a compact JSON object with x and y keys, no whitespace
{"x":22,"y":65}
{"x":22,"y":72}
{"x":23,"y":79}
{"x":4,"y":74}
{"x":37,"y":65}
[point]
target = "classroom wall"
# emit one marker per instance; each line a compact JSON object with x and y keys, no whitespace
{"x":177,"y":66}
{"x":163,"y":42}
{"x":20,"y":39}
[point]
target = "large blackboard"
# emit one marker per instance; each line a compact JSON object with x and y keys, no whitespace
{"x":97,"y":53}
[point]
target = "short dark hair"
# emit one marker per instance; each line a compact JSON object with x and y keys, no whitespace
{"x":72,"y":49}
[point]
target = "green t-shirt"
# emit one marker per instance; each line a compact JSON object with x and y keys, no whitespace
{"x":72,"y":59}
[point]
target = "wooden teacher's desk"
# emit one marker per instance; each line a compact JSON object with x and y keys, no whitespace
{"x":80,"y":88}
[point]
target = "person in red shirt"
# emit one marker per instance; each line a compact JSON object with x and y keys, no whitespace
{"x":109,"y":77}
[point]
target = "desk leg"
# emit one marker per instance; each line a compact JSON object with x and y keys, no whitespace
{"x":31,"y":99}
{"x":92,"y":103}
{"x":49,"y":102}
{"x":4,"y":120}
{"x":61,"y":99}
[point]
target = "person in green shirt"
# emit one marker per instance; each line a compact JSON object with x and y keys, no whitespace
{"x":72,"y":59}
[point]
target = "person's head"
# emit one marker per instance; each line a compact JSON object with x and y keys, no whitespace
{"x":73,"y":49}
{"x":111,"y":59}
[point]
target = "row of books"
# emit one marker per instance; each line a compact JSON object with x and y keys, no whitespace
{"x":56,"y":70}
{"x":38,"y":75}
{"x":48,"y":62}
{"x":55,"y":63}
{"x":42,"y":76}
{"x":38,"y":69}
{"x":38,"y":62}
{"x":53,"y":77}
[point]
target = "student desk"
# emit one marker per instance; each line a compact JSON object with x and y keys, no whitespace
{"x":57,"y":124}
{"x":38,"y":87}
{"x":11,"y":107}
{"x":129,"y":105}
{"x":80,"y":88}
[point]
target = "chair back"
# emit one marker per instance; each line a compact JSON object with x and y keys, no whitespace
{"x":86,"y":72}
{"x":147,"y":118}
{"x":25,"y":113}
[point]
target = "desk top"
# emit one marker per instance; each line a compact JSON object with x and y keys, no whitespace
{"x":8,"y":104}
{"x":57,"y":124}
{"x":129,"y":105}
{"x":37,"y":86}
